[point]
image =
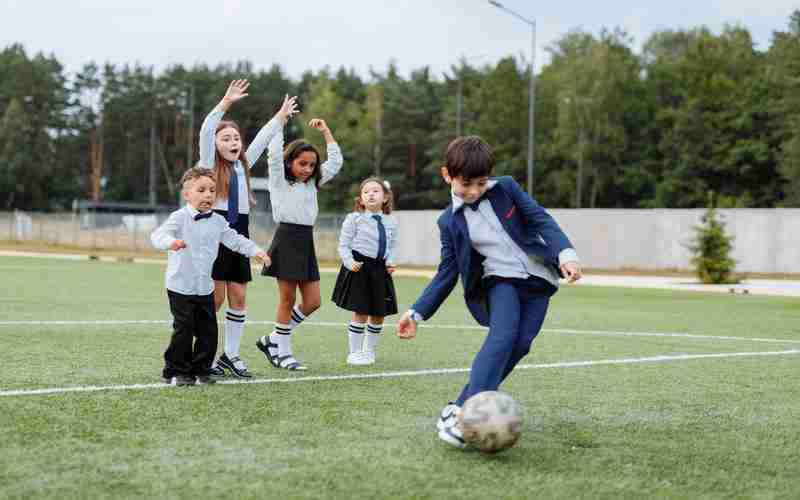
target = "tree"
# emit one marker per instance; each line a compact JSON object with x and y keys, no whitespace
{"x":712,"y":247}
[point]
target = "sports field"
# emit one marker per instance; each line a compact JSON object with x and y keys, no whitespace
{"x":627,"y":394}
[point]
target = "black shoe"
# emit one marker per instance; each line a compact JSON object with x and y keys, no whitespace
{"x":179,"y":380}
{"x":216,"y":370}
{"x":235,"y":365}
{"x":206,"y":380}
{"x":273,"y":359}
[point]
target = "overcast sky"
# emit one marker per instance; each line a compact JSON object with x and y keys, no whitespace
{"x":310,"y":34}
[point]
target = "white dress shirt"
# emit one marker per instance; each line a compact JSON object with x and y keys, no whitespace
{"x":503,"y":257}
{"x":296,"y":202}
{"x":208,"y":153}
{"x":189,"y":269}
{"x":360,"y":233}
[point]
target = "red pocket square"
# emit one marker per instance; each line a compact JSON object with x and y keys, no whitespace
{"x":510,"y":213}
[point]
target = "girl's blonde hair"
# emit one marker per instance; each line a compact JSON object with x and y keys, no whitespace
{"x":388,"y":197}
{"x":223,"y":167}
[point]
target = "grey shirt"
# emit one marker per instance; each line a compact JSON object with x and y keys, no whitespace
{"x":296,"y":202}
{"x":503,"y":257}
{"x":360,"y":233}
{"x":189,"y":269}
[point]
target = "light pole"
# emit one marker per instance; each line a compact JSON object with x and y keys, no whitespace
{"x":531,"y":90}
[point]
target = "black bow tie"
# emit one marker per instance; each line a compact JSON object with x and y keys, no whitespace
{"x":204,"y":215}
{"x":474,"y":205}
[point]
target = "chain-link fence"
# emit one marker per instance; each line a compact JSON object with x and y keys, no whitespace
{"x":130,"y":232}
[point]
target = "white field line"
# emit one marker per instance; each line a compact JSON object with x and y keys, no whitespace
{"x":392,"y":325}
{"x":409,"y":373}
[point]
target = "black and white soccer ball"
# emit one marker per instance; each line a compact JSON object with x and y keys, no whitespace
{"x":491,"y":421}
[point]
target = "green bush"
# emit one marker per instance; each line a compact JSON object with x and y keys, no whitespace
{"x":712,"y":248}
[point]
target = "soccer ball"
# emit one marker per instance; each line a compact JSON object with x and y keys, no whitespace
{"x":491,"y":421}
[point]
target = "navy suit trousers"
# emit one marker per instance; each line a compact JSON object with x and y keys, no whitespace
{"x":516,"y":312}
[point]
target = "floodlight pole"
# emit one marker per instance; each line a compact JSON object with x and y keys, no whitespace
{"x":531,"y":90}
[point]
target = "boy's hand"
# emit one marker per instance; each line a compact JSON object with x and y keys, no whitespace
{"x":406,"y":327}
{"x":357,"y":266}
{"x":263,"y":257}
{"x":237,"y":90}
{"x":177,"y":245}
{"x":391,"y":268}
{"x":288,"y":108}
{"x":319,"y":124}
{"x":572,"y":271}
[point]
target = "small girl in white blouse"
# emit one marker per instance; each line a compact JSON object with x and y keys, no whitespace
{"x":295,"y":174}
{"x":364,"y":284}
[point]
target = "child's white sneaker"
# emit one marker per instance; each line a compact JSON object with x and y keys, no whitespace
{"x":447,"y":426}
{"x":361,"y":358}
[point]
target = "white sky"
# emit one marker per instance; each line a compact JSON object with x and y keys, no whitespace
{"x":301,"y":35}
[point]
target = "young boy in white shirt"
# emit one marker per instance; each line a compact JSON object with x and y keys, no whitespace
{"x":192,"y":235}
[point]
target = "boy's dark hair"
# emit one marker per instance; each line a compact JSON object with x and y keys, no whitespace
{"x":195,"y":173}
{"x":469,"y":157}
{"x":295,"y":149}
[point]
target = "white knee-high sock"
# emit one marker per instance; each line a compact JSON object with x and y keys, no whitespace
{"x":234,"y":327}
{"x":373,"y":336}
{"x":355,"y":336}
{"x":282,"y":335}
{"x":297,"y":317}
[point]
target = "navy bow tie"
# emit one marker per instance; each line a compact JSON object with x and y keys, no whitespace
{"x":474,"y":205}
{"x":204,"y":215}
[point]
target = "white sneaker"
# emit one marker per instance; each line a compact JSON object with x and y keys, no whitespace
{"x":361,"y":358}
{"x":448,"y":428}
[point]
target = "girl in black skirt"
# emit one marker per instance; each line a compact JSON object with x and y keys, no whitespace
{"x":294,"y":177}
{"x":364,"y":284}
{"x":222,"y":149}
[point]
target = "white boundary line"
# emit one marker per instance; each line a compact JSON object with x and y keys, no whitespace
{"x":410,"y":373}
{"x":392,"y":325}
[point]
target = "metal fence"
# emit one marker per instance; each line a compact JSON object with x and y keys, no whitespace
{"x":130,"y":232}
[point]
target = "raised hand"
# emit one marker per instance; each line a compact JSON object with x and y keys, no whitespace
{"x":319,"y":124}
{"x":288,"y":108}
{"x":237,"y":91}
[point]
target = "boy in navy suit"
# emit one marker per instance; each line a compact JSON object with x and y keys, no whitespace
{"x":510,"y":254}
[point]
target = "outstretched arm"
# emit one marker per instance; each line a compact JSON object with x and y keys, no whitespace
{"x":272,"y":128}
{"x":335,"y":160}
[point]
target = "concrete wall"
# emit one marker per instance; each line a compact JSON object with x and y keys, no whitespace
{"x":766,"y":240}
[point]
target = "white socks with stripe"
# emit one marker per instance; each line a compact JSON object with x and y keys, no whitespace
{"x":234,"y":327}
{"x":297,"y":317}
{"x":282,"y":335}
{"x":355,"y":336}
{"x":373,"y":336}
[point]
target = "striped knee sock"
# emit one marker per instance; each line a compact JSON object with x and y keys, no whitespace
{"x":373,"y":336}
{"x":355,"y":336}
{"x":282,"y":335}
{"x":297,"y":317}
{"x":234,"y":327}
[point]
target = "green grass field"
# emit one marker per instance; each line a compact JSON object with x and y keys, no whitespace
{"x":628,"y":427}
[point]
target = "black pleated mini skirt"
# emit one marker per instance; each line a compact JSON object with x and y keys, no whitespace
{"x":292,"y":253}
{"x":230,"y":265}
{"x":367,"y":291}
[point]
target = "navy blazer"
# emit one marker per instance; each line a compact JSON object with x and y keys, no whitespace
{"x":528,"y":224}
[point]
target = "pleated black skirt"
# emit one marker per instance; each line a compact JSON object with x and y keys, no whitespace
{"x":230,"y":265}
{"x":292,"y":253}
{"x":368,"y":291}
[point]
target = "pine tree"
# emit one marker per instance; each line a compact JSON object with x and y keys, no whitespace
{"x":712,"y":247}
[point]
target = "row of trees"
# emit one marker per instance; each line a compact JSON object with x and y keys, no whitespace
{"x":693,"y":112}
